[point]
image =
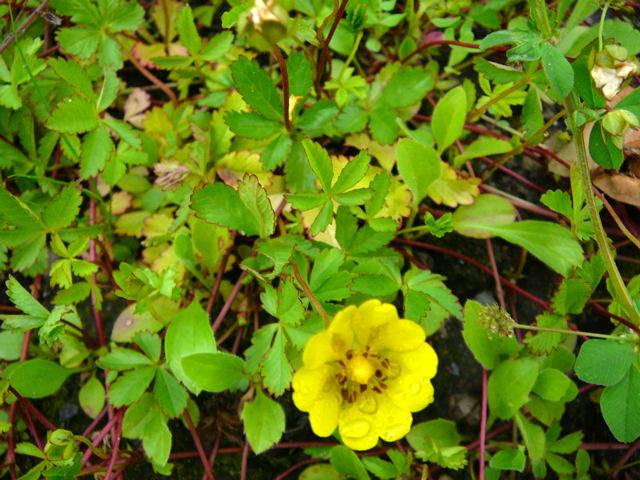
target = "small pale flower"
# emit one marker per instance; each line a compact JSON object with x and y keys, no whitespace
{"x":365,"y":374}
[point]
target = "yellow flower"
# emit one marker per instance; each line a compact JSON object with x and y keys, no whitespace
{"x":365,"y":374}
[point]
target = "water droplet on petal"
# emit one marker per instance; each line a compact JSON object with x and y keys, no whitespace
{"x":415,"y":388}
{"x":368,"y":403}
{"x":356,"y":428}
{"x":394,"y":432}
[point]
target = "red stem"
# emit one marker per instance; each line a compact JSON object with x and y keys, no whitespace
{"x":116,"y":445}
{"x":227,"y":304}
{"x":297,"y":466}
{"x":243,"y":465}
{"x":199,"y":447}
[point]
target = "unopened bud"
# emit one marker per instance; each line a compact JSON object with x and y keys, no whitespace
{"x":611,"y":68}
{"x":618,"y":121}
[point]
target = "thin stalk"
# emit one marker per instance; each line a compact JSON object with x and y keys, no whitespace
{"x":572,"y":332}
{"x":314,"y":301}
{"x":514,"y":88}
{"x":324,"y":53}
{"x":285,"y":85}
{"x":483,"y":424}
{"x":538,"y":9}
{"x":352,"y":54}
{"x":618,"y":221}
{"x":601,"y":26}
{"x":619,"y":287}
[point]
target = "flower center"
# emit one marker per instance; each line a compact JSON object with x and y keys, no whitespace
{"x":360,"y":369}
{"x":362,"y":372}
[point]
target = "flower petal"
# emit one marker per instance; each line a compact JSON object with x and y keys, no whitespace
{"x":309,"y":384}
{"x":411,"y":392}
{"x":357,"y":428}
{"x":400,"y":336}
{"x":372,"y":316}
{"x":318,"y":350}
{"x":341,"y":330}
{"x":392,"y":422}
{"x":422,"y":360}
{"x":323,"y":415}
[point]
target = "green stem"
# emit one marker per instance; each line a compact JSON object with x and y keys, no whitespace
{"x":601,"y":26}
{"x":314,"y":301}
{"x":538,"y":9}
{"x":573,"y":332}
{"x":619,"y":288}
{"x":479,"y":111}
{"x":352,"y":54}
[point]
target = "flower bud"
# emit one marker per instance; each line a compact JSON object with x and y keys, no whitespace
{"x":618,"y":121}
{"x":611,"y":68}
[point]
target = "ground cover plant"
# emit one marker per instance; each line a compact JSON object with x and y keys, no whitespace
{"x":319,"y":239}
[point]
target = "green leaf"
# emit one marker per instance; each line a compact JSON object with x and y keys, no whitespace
{"x":481,"y":147}
{"x":189,"y":332}
{"x":318,"y":116}
{"x":620,"y":404}
{"x":82,"y":41}
{"x":22,"y":299}
{"x":533,"y":437}
{"x":320,"y":163}
{"x":74,"y":114}
{"x":508,"y":459}
{"x":509,"y":386}
{"x":418,"y":166}
{"x":557,"y":69}
{"x":408,"y":86}
{"x":572,"y":296}
{"x":549,"y":242}
{"x":383,"y":126}
{"x":488,"y":209}
{"x":217,"y":47}
{"x":187,"y":31}
{"x":551,"y":384}
{"x":352,"y":173}
{"x":306,"y":201}
{"x":603,"y":149}
{"x":277,"y":370}
{"x":150,"y":343}
{"x":487,"y":347}
{"x":221,"y":204}
{"x":97,"y":148}
{"x":277,"y":151}
{"x":346,"y":462}
{"x":438,"y":441}
{"x":145,"y":420}
{"x":380,"y":468}
{"x":323,"y":219}
{"x":256,"y":202}
{"x":264,"y":422}
{"x":603,"y":362}
{"x":156,"y":439}
{"x":130,"y":386}
{"x":120,"y":358}
{"x":62,"y":210}
{"x":171,"y":396}
{"x":449,"y":117}
{"x":214,"y":372}
{"x":256,"y":88}
{"x":300,"y":74}
{"x":252,"y":125}
{"x":28,"y":377}
{"x":92,"y":397}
